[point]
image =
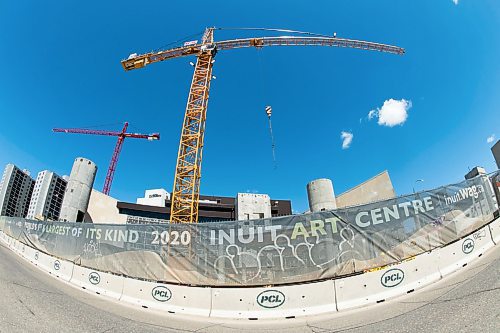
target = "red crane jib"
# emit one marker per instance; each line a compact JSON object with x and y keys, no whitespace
{"x":118,"y":147}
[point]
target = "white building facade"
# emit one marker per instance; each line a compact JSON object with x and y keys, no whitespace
{"x":47,"y":197}
{"x":154,"y":197}
{"x":16,"y":188}
{"x":250,"y":206}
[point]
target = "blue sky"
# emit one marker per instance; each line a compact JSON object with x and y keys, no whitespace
{"x":61,"y":68}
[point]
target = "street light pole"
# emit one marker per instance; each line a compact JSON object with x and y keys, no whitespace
{"x":416,"y":181}
{"x":416,"y":220}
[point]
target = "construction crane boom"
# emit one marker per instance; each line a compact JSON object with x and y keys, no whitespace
{"x":118,"y":147}
{"x":185,"y":194}
{"x":139,"y":61}
{"x":152,"y":136}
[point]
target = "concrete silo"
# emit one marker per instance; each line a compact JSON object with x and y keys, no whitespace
{"x":321,"y":196}
{"x":77,"y":195}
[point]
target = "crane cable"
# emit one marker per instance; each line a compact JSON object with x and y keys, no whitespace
{"x":183,"y":39}
{"x":102,"y":125}
{"x":277,"y":30}
{"x":268,"y":108}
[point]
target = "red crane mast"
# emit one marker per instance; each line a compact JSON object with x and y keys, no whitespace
{"x":118,"y":147}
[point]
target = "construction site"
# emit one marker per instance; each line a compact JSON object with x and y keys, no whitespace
{"x":184,"y":204}
{"x":178,"y":251}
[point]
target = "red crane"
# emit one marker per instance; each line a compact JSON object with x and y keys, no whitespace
{"x":121,"y":137}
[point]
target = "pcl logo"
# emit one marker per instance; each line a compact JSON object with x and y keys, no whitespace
{"x":161,"y":293}
{"x":57,"y":265}
{"x":270,"y":299}
{"x":392,"y":277}
{"x":94,"y":278}
{"x":468,"y":246}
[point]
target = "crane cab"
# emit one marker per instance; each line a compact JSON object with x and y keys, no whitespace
{"x":209,"y":48}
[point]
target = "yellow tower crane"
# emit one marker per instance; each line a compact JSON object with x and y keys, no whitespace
{"x":186,"y":191}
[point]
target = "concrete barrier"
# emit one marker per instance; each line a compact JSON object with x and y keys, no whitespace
{"x":43,"y":261}
{"x":99,"y":282}
{"x":59,"y":268}
{"x":458,"y":254}
{"x":5,"y":239}
{"x":275,"y":302}
{"x":167,"y":297}
{"x":10,"y":242}
{"x":376,"y":286}
{"x":30,"y":254}
{"x":495,"y":231}
{"x":15,"y":245}
{"x":20,"y":248}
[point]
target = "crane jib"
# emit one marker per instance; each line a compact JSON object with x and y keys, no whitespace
{"x":148,"y":58}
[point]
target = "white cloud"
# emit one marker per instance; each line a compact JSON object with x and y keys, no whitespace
{"x":455,"y":2}
{"x":371,"y":114}
{"x":392,"y":113}
{"x":346,"y":139}
{"x":491,"y":138}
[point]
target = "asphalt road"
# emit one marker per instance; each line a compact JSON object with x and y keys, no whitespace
{"x":34,"y":301}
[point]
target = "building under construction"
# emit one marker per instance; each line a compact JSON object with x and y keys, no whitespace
{"x":47,"y":197}
{"x":245,"y":206}
{"x":16,"y":188}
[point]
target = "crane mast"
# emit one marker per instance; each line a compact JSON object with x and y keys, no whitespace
{"x":186,"y":189}
{"x":114,"y":159}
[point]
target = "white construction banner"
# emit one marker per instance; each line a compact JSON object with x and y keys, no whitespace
{"x":272,"y":251}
